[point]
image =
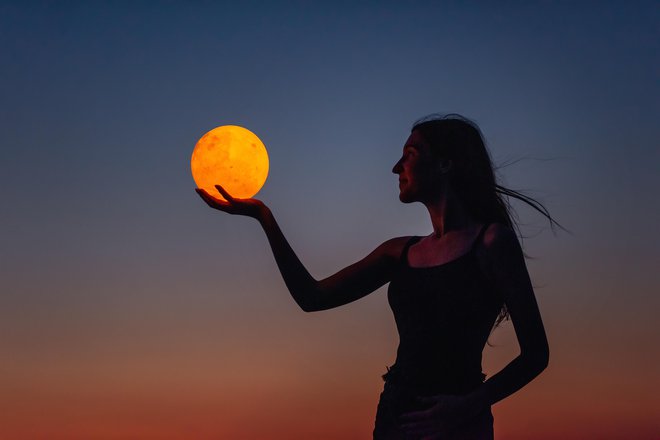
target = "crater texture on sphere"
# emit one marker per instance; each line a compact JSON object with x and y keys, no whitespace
{"x":232,"y":157}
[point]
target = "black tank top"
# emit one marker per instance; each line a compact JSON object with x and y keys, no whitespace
{"x":444,"y":315}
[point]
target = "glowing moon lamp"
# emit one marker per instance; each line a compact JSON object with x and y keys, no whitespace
{"x":232,"y":157}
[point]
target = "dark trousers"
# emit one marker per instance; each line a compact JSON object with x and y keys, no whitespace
{"x":396,"y":400}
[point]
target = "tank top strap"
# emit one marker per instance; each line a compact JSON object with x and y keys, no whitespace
{"x":404,"y":252}
{"x":480,"y":236}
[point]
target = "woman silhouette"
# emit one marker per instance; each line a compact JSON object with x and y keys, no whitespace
{"x":446,"y":290}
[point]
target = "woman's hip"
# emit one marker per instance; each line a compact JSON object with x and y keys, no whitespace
{"x":397,"y":400}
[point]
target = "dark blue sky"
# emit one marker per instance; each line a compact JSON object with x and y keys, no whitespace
{"x":101,"y":104}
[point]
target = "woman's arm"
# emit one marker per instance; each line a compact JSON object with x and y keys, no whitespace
{"x":504,"y":256}
{"x":349,"y":284}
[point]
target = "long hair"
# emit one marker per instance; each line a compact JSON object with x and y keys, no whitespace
{"x":458,"y":139}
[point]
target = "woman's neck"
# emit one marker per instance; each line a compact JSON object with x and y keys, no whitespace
{"x":448,"y":214}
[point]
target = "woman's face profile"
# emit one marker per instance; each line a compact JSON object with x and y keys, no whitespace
{"x":417,"y":170}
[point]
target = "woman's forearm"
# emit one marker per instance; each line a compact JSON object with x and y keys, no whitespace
{"x":513,"y":377}
{"x":302,"y":286}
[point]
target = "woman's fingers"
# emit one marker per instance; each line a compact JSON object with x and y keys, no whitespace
{"x":428,"y":399}
{"x":427,"y":423}
{"x":415,"y":416}
{"x":224,"y":193}
{"x":203,"y":194}
{"x":212,"y":201}
{"x":249,"y":207}
{"x":425,"y":429}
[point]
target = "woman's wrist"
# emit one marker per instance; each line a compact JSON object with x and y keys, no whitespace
{"x":263,"y":214}
{"x":478,"y":398}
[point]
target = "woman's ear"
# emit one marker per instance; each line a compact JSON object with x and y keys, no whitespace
{"x":445,"y":165}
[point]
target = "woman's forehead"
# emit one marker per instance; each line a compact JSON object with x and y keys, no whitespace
{"x":416,"y":141}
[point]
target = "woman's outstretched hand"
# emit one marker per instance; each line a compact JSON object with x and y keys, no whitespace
{"x":249,"y":207}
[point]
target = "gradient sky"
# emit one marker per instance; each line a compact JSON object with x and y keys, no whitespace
{"x":129,"y":309}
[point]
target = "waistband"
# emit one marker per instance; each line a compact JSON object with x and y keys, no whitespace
{"x":439,"y":384}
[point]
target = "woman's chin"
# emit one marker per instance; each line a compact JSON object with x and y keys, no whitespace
{"x":406,"y":197}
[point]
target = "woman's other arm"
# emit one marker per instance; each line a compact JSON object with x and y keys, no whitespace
{"x":504,"y":256}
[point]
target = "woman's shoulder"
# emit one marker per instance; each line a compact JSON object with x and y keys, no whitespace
{"x":498,"y":246}
{"x":393,"y":248}
{"x":498,"y":233}
{"x":498,"y":241}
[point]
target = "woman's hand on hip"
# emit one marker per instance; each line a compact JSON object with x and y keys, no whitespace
{"x":445,"y":412}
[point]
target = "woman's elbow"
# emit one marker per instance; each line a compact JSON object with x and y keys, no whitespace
{"x":540,"y":360}
{"x":308,"y":305}
{"x":537,"y":360}
{"x":308,"y":308}
{"x":543,"y":361}
{"x":545,"y":355}
{"x":308,"y":296}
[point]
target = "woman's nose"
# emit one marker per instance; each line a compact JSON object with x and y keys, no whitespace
{"x":397,"y":167}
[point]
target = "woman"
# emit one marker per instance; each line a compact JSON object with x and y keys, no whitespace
{"x":446,"y":290}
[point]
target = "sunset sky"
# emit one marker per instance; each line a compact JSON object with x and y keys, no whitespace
{"x":130,"y":310}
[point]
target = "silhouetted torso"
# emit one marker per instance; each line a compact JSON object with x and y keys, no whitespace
{"x":444,"y":315}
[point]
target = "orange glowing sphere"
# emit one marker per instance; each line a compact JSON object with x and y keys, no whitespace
{"x":232,"y":157}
